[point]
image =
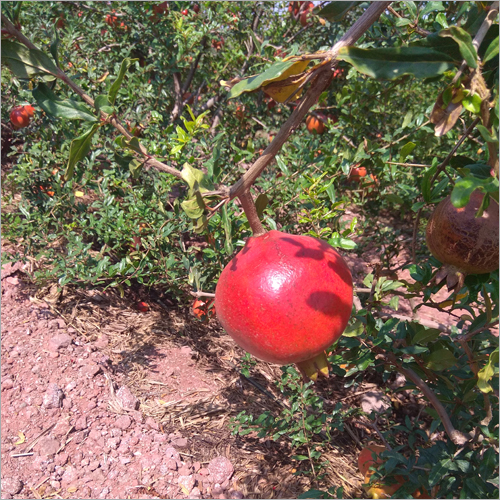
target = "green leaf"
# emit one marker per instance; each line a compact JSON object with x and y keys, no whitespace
{"x":196,"y":179}
{"x":135,"y":167}
{"x":491,"y":51}
{"x":472,"y":103}
{"x":439,"y":471}
{"x":336,"y":11}
{"x":406,"y":150}
{"x":486,"y":134}
{"x":431,"y":7}
{"x":402,"y":21}
{"x":425,"y":335}
{"x":54,"y":106}
{"x":54,"y":46}
{"x":479,"y":170}
{"x":80,"y":146}
{"x":279,"y":70}
{"x":426,"y":184}
{"x":228,"y":243}
{"x":354,"y":330}
{"x":101,"y":102}
{"x":261,"y":203}
{"x":133,"y":144}
{"x":26,"y":63}
{"x":193,"y":208}
{"x":464,"y":187}
{"x":391,"y":63}
{"x":407,"y":119}
{"x":113,"y":90}
{"x":440,"y":360}
{"x":464,"y":40}
{"x":282,"y":165}
{"x":486,"y":373}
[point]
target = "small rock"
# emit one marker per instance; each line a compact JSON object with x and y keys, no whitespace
{"x":217,"y":489}
{"x":180,"y":442}
{"x":196,"y":466}
{"x":59,"y":341}
{"x":53,"y":397}
{"x":7,"y":384}
{"x":151,"y":423}
{"x":114,"y":442}
{"x":171,"y":464}
{"x":195,"y":493}
{"x":93,"y":465}
{"x":55,"y":484}
{"x":12,"y":485}
{"x":220,"y":469}
{"x":61,"y":459}
{"x":127,"y":399}
{"x":187,"y":481}
{"x":90,"y":371}
{"x":123,"y":422}
{"x":102,"y":342}
{"x":235,"y":494}
{"x":48,"y":446}
{"x":204,"y":472}
{"x":375,"y":401}
{"x":53,"y":355}
{"x":184,"y":471}
{"x":172,"y":453}
{"x":81,"y":423}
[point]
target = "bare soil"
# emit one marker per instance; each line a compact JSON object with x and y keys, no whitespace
{"x":101,"y":400}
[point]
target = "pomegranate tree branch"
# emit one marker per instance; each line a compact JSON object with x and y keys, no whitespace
{"x":320,"y":83}
{"x":458,"y":437}
{"x":151,"y":162}
{"x":248,"y":205}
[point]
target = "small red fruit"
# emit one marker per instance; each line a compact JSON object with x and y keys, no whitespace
{"x":357,"y":173}
{"x":271,"y":104}
{"x":314,"y":124}
{"x":285,"y":299}
{"x":19,"y":117}
{"x":185,"y":12}
{"x":143,"y":306}
{"x":456,"y":237}
{"x":30,"y":110}
{"x":196,"y":8}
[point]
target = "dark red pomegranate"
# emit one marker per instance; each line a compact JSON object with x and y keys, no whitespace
{"x":456,"y":237}
{"x":285,"y":299}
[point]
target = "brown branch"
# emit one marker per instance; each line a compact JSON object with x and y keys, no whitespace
{"x":458,"y":437}
{"x":248,"y":205}
{"x":152,"y":162}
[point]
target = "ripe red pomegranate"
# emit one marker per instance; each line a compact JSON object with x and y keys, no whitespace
{"x":456,"y":237}
{"x":19,"y":117}
{"x":285,"y":299}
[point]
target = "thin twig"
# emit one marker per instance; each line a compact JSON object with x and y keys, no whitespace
{"x":458,"y":437}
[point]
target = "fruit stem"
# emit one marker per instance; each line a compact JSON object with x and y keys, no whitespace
{"x":251,"y":212}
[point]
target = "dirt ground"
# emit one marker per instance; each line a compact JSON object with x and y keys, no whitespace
{"x":101,"y":400}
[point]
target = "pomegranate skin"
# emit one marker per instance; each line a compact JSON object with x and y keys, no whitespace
{"x":285,"y":298}
{"x":457,"y":238}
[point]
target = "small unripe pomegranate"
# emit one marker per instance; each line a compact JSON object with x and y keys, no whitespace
{"x":456,"y":237}
{"x":315,"y":124}
{"x":19,"y":117}
{"x":285,"y":299}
